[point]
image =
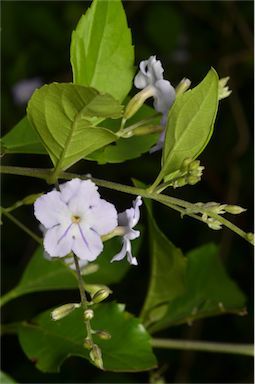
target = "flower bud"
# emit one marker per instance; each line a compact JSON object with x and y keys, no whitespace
{"x":214,"y":224}
{"x":96,"y":356}
{"x":224,"y":90}
{"x":64,"y":310}
{"x":88,"y":344}
{"x":183,"y":86}
{"x":104,"y":335}
{"x":193,"y":179}
{"x":234,"y":209}
{"x":137,"y":101}
{"x":185,"y":164}
{"x":180,"y":182}
{"x":250,"y":237}
{"x":146,"y":130}
{"x":101,"y":295}
{"x":88,"y":314}
{"x":194,"y":165}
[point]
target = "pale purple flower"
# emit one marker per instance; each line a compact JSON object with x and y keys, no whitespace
{"x":128,"y":220}
{"x":151,"y":76}
{"x":75,"y":218}
{"x":23,"y":90}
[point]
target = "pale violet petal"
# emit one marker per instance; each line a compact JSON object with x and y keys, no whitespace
{"x":121,"y":255}
{"x":76,"y":190}
{"x":164,"y":96}
{"x":160,"y":142}
{"x":132,"y":260}
{"x":102,"y":217}
{"x":141,"y":81}
{"x":88,"y":244}
{"x":132,"y":234}
{"x":58,"y":241}
{"x":50,"y":210}
{"x":136,"y":204}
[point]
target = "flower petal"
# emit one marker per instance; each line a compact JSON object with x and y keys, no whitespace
{"x":58,"y":241}
{"x":160,"y":142}
{"x":50,"y":210}
{"x":88,"y":244}
{"x":102,"y":217}
{"x":122,"y":252}
{"x":164,"y":96}
{"x":79,"y":189}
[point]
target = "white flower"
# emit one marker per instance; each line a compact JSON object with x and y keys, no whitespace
{"x":128,"y":219}
{"x":23,"y":90}
{"x":150,"y":77}
{"x":75,"y":218}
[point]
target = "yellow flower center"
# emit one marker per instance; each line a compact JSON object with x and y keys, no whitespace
{"x":76,"y":219}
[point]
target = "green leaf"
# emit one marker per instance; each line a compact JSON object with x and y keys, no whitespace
{"x":167,"y":272}
{"x":209,"y":291}
{"x":49,"y":343}
{"x":45,"y":275}
{"x":65,"y":117}
{"x":102,"y":55}
{"x":23,"y":139}
{"x":130,"y":148}
{"x":190,"y":123}
{"x":6,"y":379}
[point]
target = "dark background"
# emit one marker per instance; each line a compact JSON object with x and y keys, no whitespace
{"x":188,"y":37}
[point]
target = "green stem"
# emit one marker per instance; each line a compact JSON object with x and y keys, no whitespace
{"x":172,"y":202}
{"x":21,"y":226}
{"x":84,"y":301}
{"x":205,"y":346}
{"x":8,"y":297}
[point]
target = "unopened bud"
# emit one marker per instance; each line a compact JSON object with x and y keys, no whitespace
{"x":180,"y":182}
{"x":101,"y":295}
{"x":194,"y":165}
{"x":223,"y":90}
{"x":214,"y":224}
{"x":96,"y":356}
{"x":182,"y":87}
{"x":88,"y":344}
{"x":64,"y":310}
{"x":104,"y":335}
{"x":250,"y":237}
{"x":185,"y":164}
{"x":193,"y":179}
{"x":146,"y":130}
{"x":88,"y":314}
{"x":137,"y":101}
{"x":234,"y":209}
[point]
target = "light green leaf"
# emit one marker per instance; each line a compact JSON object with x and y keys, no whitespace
{"x":65,"y":117}
{"x":6,"y":379}
{"x":209,"y":291}
{"x":167,"y":272}
{"x":49,"y":343}
{"x":190,"y":123}
{"x":23,"y":139}
{"x":102,"y":55}
{"x":130,"y":148}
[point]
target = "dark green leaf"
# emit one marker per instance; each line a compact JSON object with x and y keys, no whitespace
{"x":6,"y":379}
{"x":65,"y":117}
{"x":23,"y":139}
{"x":209,"y":290}
{"x":190,"y":123}
{"x":167,"y":272}
{"x":49,"y":343}
{"x":102,"y":55}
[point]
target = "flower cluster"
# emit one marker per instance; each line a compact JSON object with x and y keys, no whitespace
{"x":75,"y":218}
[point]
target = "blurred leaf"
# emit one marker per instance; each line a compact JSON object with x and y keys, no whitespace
{"x":190,"y":123}
{"x":209,"y":291}
{"x":49,"y":343}
{"x":23,"y":139}
{"x":6,"y":379}
{"x":102,"y":54}
{"x":131,"y":148}
{"x":65,"y":116}
{"x":167,"y":272}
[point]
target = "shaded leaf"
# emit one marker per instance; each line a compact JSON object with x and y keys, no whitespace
{"x":23,"y":139}
{"x":102,"y":54}
{"x":190,"y":123}
{"x":209,"y":290}
{"x":65,"y":117}
{"x":6,"y":379}
{"x":49,"y":343}
{"x":167,"y":272}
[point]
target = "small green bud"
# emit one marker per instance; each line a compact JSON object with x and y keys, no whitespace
{"x":146,"y":130}
{"x":88,"y":344}
{"x":182,"y":87}
{"x":96,"y":356}
{"x":101,"y":295}
{"x":88,"y":314}
{"x":213,"y":224}
{"x":194,"y":165}
{"x":64,"y":311}
{"x":137,"y":101}
{"x":185,"y":164}
{"x":234,"y":209}
{"x":180,"y":182}
{"x":250,"y":237}
{"x":223,"y":90}
{"x":193,"y":179}
{"x":104,"y":335}
{"x":90,"y":268}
